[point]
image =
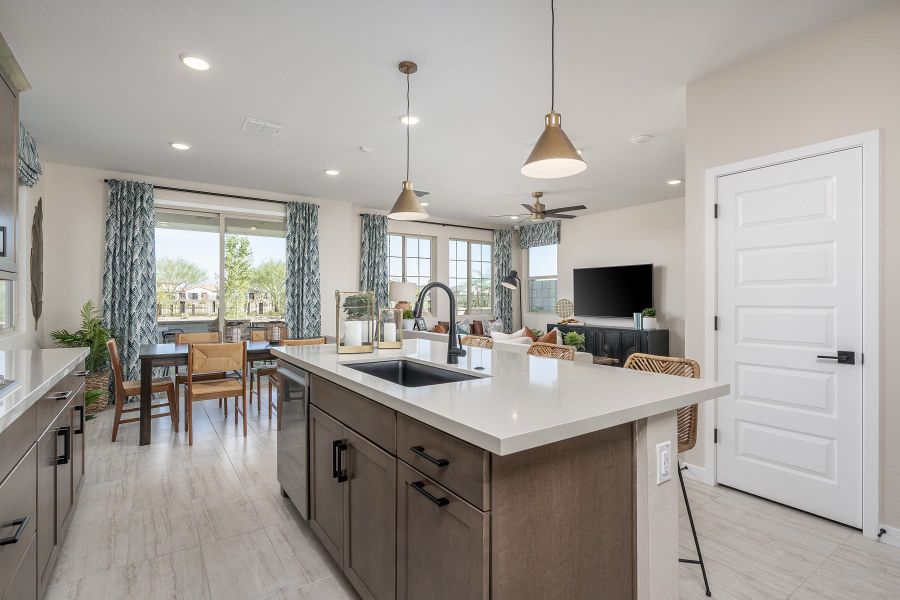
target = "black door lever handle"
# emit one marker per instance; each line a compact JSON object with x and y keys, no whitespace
{"x":844,"y":357}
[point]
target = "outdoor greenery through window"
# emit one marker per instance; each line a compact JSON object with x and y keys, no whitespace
{"x":197,"y":252}
{"x":409,"y":259}
{"x":542,"y":278}
{"x":470,"y":276}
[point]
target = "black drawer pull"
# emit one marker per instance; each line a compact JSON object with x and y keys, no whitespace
{"x":60,"y":396}
{"x":337,"y":470}
{"x":66,"y":433}
{"x":441,"y":462}
{"x":22,"y":524}
{"x":80,"y":409}
{"x":420,"y":487}
{"x":81,"y":373}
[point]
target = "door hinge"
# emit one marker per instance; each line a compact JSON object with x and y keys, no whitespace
{"x":715,"y":435}
{"x":716,"y":210}
{"x":716,"y":323}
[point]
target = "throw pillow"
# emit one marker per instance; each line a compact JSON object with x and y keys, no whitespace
{"x":499,"y":335}
{"x":530,"y":333}
{"x":477,"y":328}
{"x":551,"y":337}
{"x":463,"y":328}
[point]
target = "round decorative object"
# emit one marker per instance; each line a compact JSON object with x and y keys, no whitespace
{"x":564,"y":308}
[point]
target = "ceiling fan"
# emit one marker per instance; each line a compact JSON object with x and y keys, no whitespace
{"x":538,"y":211}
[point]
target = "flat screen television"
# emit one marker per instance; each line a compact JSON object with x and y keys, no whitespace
{"x":613,"y":291}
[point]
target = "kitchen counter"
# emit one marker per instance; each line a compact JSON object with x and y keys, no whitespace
{"x":34,"y":372}
{"x":519,"y":402}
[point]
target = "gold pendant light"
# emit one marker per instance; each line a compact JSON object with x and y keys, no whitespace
{"x":407,"y":207}
{"x":554,"y":155}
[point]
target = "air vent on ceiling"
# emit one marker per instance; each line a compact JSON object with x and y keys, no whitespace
{"x":421,"y":193}
{"x":260,"y":127}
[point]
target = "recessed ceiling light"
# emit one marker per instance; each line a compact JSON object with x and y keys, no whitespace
{"x":673,"y":181}
{"x":192,"y":61}
{"x":253,"y":228}
{"x":180,"y":145}
{"x":163,"y":223}
{"x":413,"y":119}
{"x":424,"y":204}
{"x":641,"y":138}
{"x":514,"y":218}
{"x":331,"y":172}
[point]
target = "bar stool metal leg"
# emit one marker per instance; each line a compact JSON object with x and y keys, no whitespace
{"x":699,"y":560}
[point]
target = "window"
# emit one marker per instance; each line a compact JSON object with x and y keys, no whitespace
{"x":470,"y":277}
{"x":409,"y":259}
{"x":7,"y":289}
{"x":542,"y":278}
{"x":196,"y":251}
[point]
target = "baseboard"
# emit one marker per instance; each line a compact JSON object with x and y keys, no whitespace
{"x":701,"y":474}
{"x":891,"y":536}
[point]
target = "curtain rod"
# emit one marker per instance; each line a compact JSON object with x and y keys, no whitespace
{"x":442,"y":224}
{"x":205,"y":193}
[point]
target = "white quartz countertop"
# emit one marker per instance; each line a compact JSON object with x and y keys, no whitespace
{"x":519,"y":401}
{"x":35,"y":372}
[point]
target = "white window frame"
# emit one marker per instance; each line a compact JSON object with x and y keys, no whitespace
{"x":468,"y":310}
{"x":433,"y":261}
{"x":541,"y":278}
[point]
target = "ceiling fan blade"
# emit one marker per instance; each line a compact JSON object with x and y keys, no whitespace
{"x":549,"y":216}
{"x":528,"y":207}
{"x":565,"y":209}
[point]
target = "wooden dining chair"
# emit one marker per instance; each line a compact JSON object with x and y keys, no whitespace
{"x":270,"y":372}
{"x":476,"y":341}
{"x":204,"y":359}
{"x":127,"y":389}
{"x":199,"y":337}
{"x":552,"y":351}
{"x":686,"y":418}
{"x":258,"y":335}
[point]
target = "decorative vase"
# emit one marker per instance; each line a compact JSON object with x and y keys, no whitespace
{"x":649,"y":323}
{"x":408,"y":324}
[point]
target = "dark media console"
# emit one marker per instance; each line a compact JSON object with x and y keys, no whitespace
{"x":619,"y":342}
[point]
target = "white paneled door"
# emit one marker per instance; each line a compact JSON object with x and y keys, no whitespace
{"x":789,"y":294}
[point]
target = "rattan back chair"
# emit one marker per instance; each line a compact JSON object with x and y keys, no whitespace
{"x":687,"y":426}
{"x":477,"y":341}
{"x":302,"y":342}
{"x":198,"y":337}
{"x":271,"y":373}
{"x":552,"y":351}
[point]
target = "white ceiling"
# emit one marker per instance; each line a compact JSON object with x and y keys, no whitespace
{"x":109,"y":90}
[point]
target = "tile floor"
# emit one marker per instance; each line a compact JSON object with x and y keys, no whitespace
{"x":208,"y":522}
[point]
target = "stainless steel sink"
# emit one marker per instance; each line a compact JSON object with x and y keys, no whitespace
{"x":410,"y":374}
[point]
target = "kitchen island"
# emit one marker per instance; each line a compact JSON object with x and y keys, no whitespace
{"x":506,"y":476}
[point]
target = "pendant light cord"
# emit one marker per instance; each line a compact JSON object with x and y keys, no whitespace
{"x":407,"y":125}
{"x":552,"y":57}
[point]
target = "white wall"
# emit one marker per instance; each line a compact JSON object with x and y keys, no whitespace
{"x":74,"y":216}
{"x":649,"y":233}
{"x":835,"y":82}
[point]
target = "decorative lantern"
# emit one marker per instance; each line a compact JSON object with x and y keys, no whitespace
{"x":355,"y":322}
{"x":390,"y":328}
{"x":234,"y":331}
{"x":276,"y":331}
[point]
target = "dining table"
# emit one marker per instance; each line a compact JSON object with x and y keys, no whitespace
{"x":175,"y":355}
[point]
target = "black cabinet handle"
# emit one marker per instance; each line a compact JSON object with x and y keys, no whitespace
{"x":420,"y":487}
{"x":22,"y":524}
{"x":66,"y":433}
{"x":80,"y":409}
{"x":419,"y":450}
{"x":337,"y":470}
{"x":60,"y":396}
{"x":844,"y":357}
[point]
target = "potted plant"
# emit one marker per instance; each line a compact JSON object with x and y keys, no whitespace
{"x":648,"y":318}
{"x":573,"y":338}
{"x":408,"y":319}
{"x":92,"y":335}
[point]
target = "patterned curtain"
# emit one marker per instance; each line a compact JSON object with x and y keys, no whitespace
{"x":129,"y":277}
{"x":373,"y":273}
{"x":303,"y":306}
{"x":539,"y":234}
{"x":503,"y":307}
{"x":29,"y":161}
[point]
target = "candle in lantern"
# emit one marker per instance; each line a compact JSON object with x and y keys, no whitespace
{"x":389,"y":332}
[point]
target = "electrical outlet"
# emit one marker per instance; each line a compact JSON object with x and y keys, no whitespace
{"x":663,"y":462}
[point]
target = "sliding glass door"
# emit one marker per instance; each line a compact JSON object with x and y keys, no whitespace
{"x":213,"y":267}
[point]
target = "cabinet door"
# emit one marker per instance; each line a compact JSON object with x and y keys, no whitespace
{"x":370,"y":525}
{"x":63,"y":426}
{"x":24,"y":583}
{"x":77,"y":442}
{"x":326,"y":497}
{"x":46,"y":504}
{"x":631,"y":343}
{"x":442,"y":542}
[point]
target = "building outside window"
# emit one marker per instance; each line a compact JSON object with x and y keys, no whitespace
{"x":471,"y":277}
{"x":410,"y":260}
{"x":542,"y":278}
